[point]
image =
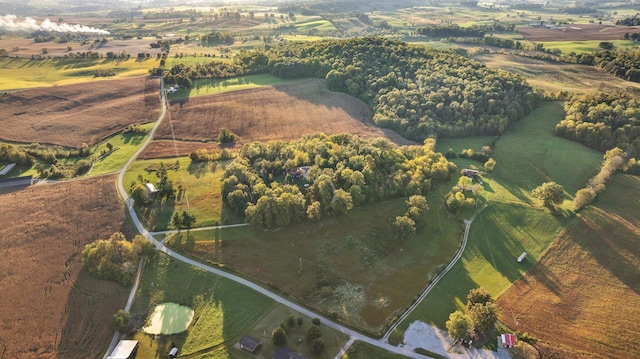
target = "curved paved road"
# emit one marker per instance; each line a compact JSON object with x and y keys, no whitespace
{"x":354,"y":335}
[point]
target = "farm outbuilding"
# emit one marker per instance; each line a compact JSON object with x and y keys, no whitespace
{"x":507,"y":340}
{"x":7,"y":169}
{"x":522,"y":257}
{"x":173,"y":353}
{"x":125,"y":349}
{"x":151,"y":189}
{"x":470,"y":173}
{"x":16,"y":182}
{"x":249,"y":344}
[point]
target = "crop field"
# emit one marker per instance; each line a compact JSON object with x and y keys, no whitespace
{"x":27,"y":47}
{"x":73,"y":114}
{"x":224,"y":310}
{"x":583,"y":294}
{"x":166,"y":148}
{"x":513,"y":222}
{"x":554,"y":76}
{"x":58,"y":72}
{"x":282,"y":112}
{"x":579,"y":32}
{"x":200,"y":195}
{"x":341,"y":265}
{"x":48,"y":297}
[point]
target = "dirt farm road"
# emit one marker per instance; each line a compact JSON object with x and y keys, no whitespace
{"x":160,"y":246}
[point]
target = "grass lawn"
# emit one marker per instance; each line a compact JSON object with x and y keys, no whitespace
{"x":200,"y":197}
{"x":224,"y":310}
{"x":210,"y":87}
{"x":586,"y":46}
{"x":526,"y":155}
{"x":127,"y":144}
{"x":52,"y":72}
{"x":343,"y":265}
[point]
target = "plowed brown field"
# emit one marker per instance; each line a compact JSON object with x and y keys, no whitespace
{"x":582,"y":298}
{"x":282,"y":112}
{"x":50,"y":307}
{"x":73,"y":114}
{"x":580,"y":32}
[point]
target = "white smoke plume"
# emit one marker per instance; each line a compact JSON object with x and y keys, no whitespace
{"x":12,"y":23}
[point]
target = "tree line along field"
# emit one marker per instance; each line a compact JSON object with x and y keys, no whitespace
{"x":51,"y":307}
{"x":75,"y":114}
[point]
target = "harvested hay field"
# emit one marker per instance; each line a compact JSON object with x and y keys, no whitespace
{"x":555,"y":76}
{"x":281,"y":112}
{"x":581,"y":32}
{"x":73,"y":114}
{"x":164,"y":148}
{"x":50,"y":307}
{"x":581,"y":299}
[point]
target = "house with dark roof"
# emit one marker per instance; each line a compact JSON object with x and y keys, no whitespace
{"x":287,"y":353}
{"x":249,"y":344}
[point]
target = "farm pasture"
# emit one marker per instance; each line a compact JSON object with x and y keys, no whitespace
{"x":282,"y":112}
{"x":581,"y":298}
{"x":73,"y":114}
{"x":51,"y":307}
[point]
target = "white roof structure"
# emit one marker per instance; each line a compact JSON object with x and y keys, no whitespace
{"x":7,"y":169}
{"x":124,"y":349}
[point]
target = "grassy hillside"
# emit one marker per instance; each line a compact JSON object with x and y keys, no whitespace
{"x":527,"y":155}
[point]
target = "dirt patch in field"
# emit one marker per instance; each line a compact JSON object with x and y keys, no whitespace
{"x":582,"y":296}
{"x":50,"y":306}
{"x":580,"y":32}
{"x":556,"y":76}
{"x":283,"y":112}
{"x":73,"y":114}
{"x":164,"y":148}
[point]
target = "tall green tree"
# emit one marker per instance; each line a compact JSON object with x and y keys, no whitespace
{"x":550,"y":193}
{"x":459,"y":325}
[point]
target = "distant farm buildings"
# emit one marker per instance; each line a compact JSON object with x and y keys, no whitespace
{"x":125,"y":349}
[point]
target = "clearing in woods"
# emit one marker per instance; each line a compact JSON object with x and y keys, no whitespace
{"x":45,"y":227}
{"x":282,"y":112}
{"x":582,"y":295}
{"x":73,"y":114}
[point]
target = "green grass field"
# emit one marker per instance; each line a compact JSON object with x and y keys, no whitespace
{"x":586,"y":46}
{"x":526,"y":155}
{"x":127,"y":144}
{"x":210,"y":87}
{"x":201,"y":195}
{"x":224,"y":309}
{"x":52,"y":72}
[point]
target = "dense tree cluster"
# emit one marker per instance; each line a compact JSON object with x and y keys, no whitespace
{"x":603,"y":121}
{"x":453,"y":30}
{"x":342,"y":172}
{"x":630,"y":21}
{"x":116,"y":258}
{"x":13,"y":154}
{"x":481,"y":314}
{"x":217,"y":38}
{"x":417,"y":91}
{"x":623,"y":63}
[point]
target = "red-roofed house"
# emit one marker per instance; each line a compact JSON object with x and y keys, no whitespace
{"x":508,"y":340}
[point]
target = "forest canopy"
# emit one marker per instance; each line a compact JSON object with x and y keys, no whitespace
{"x":280,"y":183}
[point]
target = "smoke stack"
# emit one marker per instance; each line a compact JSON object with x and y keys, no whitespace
{"x":12,"y":23}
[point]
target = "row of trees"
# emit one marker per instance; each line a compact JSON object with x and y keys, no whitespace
{"x":416,"y":91}
{"x":623,"y":63}
{"x":343,"y":172}
{"x":115,"y":258}
{"x":453,"y":30}
{"x":313,"y":336}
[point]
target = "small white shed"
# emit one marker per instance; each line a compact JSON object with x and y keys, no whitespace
{"x":522,"y":257}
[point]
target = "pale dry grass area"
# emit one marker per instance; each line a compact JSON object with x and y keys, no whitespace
{"x":50,"y":306}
